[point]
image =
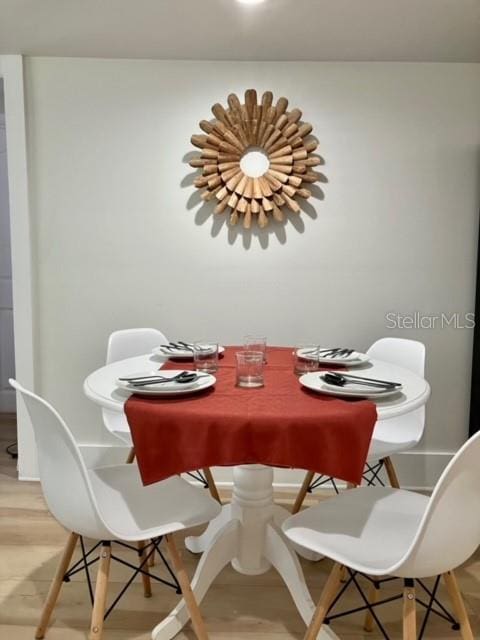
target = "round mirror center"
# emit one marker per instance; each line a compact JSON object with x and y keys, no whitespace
{"x":254,"y":162}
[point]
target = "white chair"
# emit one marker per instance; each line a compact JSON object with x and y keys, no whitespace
{"x":405,"y":432}
{"x":128,"y":343}
{"x":392,"y":436}
{"x":110,"y":504}
{"x":382,"y":531}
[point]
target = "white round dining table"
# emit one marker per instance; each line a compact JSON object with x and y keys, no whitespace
{"x":247,"y":533}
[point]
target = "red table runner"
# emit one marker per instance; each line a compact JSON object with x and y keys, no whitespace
{"x":281,"y":424}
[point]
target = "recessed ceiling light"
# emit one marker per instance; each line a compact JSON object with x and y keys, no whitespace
{"x":250,"y":1}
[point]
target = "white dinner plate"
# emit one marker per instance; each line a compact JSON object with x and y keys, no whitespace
{"x":178,"y":354}
{"x":351,"y":360}
{"x":315,"y":382}
{"x":166,"y":388}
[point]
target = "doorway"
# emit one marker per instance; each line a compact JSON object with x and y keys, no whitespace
{"x":7,"y":354}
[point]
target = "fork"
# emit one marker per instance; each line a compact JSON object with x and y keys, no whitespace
{"x":190,"y":377}
{"x":336,"y":352}
{"x":176,"y":346}
{"x":342,"y":381}
{"x":154,"y":377}
{"x":340,"y":353}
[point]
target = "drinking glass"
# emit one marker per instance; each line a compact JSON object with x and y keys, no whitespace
{"x":205,"y":356}
{"x":305,"y":358}
{"x":256,"y":343}
{"x":250,"y":369}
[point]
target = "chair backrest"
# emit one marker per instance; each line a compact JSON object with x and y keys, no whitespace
{"x":128,"y":343}
{"x":63,"y":475}
{"x":409,"y":354}
{"x":122,"y":344}
{"x":450,"y":529}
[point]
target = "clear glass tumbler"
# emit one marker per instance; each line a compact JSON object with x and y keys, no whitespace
{"x":250,"y":369}
{"x":305,"y":358}
{"x":205,"y":356}
{"x":256,"y":343}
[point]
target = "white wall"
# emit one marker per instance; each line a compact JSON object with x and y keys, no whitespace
{"x":121,"y":239}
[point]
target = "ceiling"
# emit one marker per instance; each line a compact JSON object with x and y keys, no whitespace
{"x":363,"y":30}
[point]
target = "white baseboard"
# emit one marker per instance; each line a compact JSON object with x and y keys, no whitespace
{"x":417,"y":470}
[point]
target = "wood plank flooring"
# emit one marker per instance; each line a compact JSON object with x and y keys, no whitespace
{"x":236,"y":608}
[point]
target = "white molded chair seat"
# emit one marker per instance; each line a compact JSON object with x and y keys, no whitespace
{"x":108,"y":504}
{"x":133,"y":511}
{"x":369,"y":529}
{"x":386,"y":441}
{"x":380,"y":532}
{"x":118,"y":426}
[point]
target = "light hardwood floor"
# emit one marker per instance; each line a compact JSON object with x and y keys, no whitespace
{"x":236,"y":608}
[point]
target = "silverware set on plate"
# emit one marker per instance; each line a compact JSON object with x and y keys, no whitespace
{"x":335,"y":352}
{"x":344,"y":379}
{"x":183,"y":377}
{"x":178,"y":346}
{"x":183,"y":346}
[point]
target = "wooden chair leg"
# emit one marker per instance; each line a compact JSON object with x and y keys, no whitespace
{"x":56,"y":585}
{"x":329,"y":592}
{"x":369,"y":622}
{"x":212,"y":487}
{"x":458,"y":605}
{"x":409,"y":611}
{"x":188,"y":595}
{"x":101,"y":587}
{"x":303,"y":491}
{"x":344,"y":575}
{"x":391,"y":473}
{"x":147,"y":587}
{"x":151,"y":560}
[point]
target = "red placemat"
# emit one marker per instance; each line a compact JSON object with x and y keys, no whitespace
{"x":281,"y":424}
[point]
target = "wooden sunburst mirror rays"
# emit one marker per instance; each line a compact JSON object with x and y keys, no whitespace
{"x":261,"y":129}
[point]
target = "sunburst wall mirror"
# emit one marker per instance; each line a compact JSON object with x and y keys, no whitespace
{"x":256,"y":159}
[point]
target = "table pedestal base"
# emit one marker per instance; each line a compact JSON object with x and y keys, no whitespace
{"x":246,"y":534}
{"x":199,"y":544}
